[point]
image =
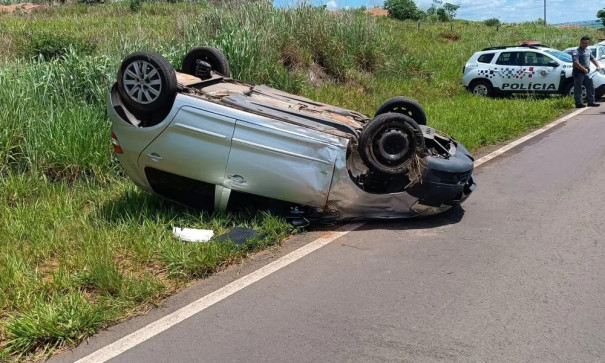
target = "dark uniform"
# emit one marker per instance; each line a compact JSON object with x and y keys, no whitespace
{"x":582,"y":56}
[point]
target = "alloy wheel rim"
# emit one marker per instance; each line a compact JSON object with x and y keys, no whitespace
{"x":480,"y":90}
{"x":142,"y":82}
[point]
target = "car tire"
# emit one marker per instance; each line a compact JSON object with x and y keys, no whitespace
{"x":389,"y":142}
{"x":569,"y":90}
{"x":482,"y":87}
{"x":406,"y":106}
{"x":217,"y":60}
{"x":147,"y":82}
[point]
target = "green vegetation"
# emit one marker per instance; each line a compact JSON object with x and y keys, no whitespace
{"x":82,"y":247}
{"x":408,"y":10}
{"x":441,"y":11}
{"x":403,"y":9}
{"x":492,"y":22}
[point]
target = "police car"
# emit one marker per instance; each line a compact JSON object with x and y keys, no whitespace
{"x":523,"y":68}
{"x":598,"y":51}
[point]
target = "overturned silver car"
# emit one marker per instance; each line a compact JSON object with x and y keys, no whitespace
{"x":200,"y":138}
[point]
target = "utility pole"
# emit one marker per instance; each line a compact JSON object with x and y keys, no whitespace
{"x":544,"y":12}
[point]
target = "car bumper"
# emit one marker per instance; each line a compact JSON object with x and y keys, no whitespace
{"x":599,"y":91}
{"x":445,"y":183}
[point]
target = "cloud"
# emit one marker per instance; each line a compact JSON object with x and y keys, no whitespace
{"x":332,"y":5}
{"x":514,"y":11}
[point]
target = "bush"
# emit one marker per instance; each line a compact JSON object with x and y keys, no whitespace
{"x":403,"y":9}
{"x":136,"y":5}
{"x":492,"y":22}
{"x":52,"y":45}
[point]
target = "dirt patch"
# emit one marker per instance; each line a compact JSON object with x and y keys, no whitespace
{"x":451,"y":37}
{"x":18,"y":7}
{"x":377,"y":12}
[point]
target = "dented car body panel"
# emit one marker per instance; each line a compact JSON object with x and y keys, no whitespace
{"x":223,"y":143}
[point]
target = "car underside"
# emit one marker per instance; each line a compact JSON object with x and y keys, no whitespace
{"x":217,"y":143}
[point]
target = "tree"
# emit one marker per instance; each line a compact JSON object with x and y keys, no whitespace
{"x":403,"y":9}
{"x":434,"y":6}
{"x":601,"y":15}
{"x":443,"y":12}
{"x":451,"y":10}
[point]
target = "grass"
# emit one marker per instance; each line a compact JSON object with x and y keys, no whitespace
{"x":82,"y":247}
{"x":78,"y":255}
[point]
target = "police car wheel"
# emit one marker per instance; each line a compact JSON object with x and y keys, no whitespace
{"x":389,"y":142}
{"x":406,"y":106}
{"x":482,"y":88}
{"x":570,"y":88}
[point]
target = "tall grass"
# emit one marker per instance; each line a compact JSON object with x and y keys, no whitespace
{"x":81,"y":246}
{"x":53,"y":114}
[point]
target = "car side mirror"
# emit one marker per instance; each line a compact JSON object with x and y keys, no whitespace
{"x":552,"y":64}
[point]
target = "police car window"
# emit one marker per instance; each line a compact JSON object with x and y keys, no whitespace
{"x":507,"y":59}
{"x":594,"y":52}
{"x":486,"y":58}
{"x":535,"y":59}
{"x":560,"y":55}
{"x":529,"y":59}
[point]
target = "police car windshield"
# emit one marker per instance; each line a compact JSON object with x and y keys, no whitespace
{"x":560,"y":55}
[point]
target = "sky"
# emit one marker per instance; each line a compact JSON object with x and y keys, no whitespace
{"x":507,"y":11}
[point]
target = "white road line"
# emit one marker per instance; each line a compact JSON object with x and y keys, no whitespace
{"x":168,"y":321}
{"x":521,"y":140}
{"x":158,"y":326}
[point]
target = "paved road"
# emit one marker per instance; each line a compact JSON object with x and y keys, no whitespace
{"x":516,"y":274}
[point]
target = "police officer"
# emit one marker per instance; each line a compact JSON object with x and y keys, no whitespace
{"x":581,"y":67}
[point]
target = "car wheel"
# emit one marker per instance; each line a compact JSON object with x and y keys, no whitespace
{"x":214,"y":57}
{"x":569,"y":90}
{"x":482,"y":87}
{"x":388,"y":143}
{"x":147,"y":82}
{"x":406,"y":106}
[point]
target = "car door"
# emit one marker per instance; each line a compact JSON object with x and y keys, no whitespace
{"x":601,"y":55}
{"x":509,"y":71}
{"x":281,"y":162}
{"x":541,"y":73}
{"x":195,"y":145}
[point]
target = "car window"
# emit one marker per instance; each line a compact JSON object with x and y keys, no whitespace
{"x":486,"y":58}
{"x":594,"y":52}
{"x":535,"y":59}
{"x":508,"y":59}
{"x":565,"y":57}
{"x":601,"y":51}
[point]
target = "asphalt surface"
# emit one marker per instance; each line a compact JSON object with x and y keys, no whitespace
{"x":516,"y":274}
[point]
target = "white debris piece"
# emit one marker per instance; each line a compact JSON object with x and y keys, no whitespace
{"x":193,"y":234}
